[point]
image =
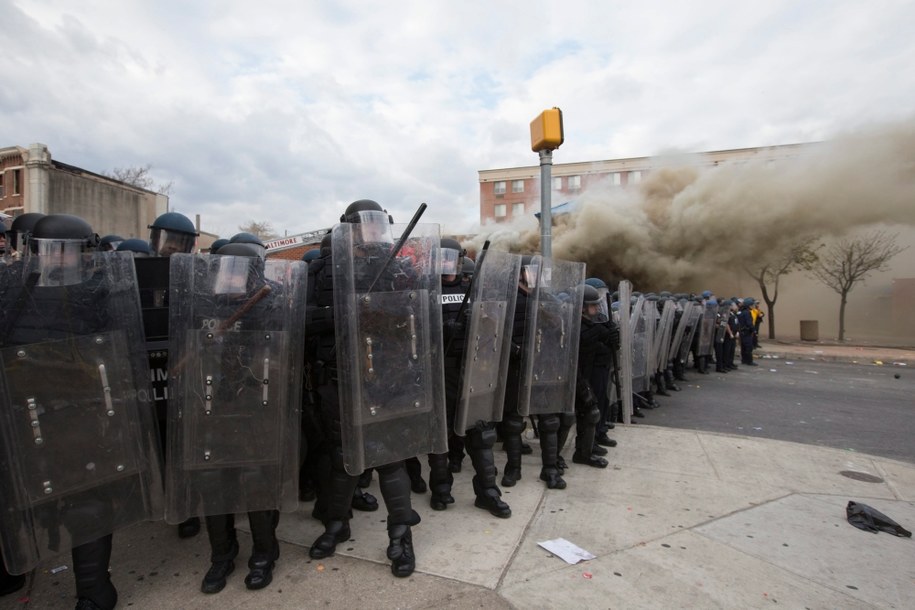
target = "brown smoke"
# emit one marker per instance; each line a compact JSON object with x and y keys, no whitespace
{"x":686,"y":222}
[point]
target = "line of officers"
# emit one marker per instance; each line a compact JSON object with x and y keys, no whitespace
{"x":186,"y":385}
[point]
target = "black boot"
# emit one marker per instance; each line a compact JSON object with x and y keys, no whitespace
{"x":415,"y":470}
{"x":365,"y":479}
{"x":669,"y":381}
{"x":189,"y":528}
{"x":561,"y":464}
{"x":335,"y":532}
{"x":659,"y":383}
{"x":490,"y":498}
{"x":364,"y":501}
{"x":604,"y":441}
{"x":222,"y":564}
{"x":260,"y":568}
{"x":266,"y":548}
{"x":440,"y":481}
{"x":400,"y":550}
{"x":594,"y":461}
{"x":90,"y":569}
{"x":598,"y":450}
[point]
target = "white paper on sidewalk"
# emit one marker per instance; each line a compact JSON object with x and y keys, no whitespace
{"x":565,"y":550}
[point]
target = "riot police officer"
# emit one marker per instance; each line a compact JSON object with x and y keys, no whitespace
{"x":394,"y":482}
{"x":68,"y":298}
{"x":594,"y":336}
{"x":170,"y":233}
{"x":481,"y":437}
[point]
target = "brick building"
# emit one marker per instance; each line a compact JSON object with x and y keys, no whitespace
{"x":507,"y":194}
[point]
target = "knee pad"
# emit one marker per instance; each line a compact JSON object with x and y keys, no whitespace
{"x":549,"y":423}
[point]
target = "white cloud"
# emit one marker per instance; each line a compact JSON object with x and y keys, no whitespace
{"x":286,"y":112}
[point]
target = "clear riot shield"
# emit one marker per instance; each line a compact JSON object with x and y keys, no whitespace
{"x":79,"y":457}
{"x":707,"y":328}
{"x":390,"y":360}
{"x":488,"y":341}
{"x":625,"y":291}
{"x":679,"y":326}
{"x":549,"y":360}
{"x":662,"y":336}
{"x":235,"y":377}
{"x":638,"y":322}
{"x":694,"y":311}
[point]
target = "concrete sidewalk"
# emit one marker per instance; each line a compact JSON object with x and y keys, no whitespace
{"x":837,"y":352}
{"x":680,"y":519}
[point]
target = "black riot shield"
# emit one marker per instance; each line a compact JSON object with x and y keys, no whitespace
{"x":235,"y":383}
{"x":549,"y":360}
{"x":79,"y":453}
{"x":390,"y":360}
{"x":488,"y":341}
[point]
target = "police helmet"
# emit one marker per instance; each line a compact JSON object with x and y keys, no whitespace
{"x":451,"y":253}
{"x":239,"y":268}
{"x":749,"y":301}
{"x":706,"y":294}
{"x":216,"y":245}
{"x":109,"y":243}
{"x":139,"y":247}
{"x":596,"y":282}
{"x":172,"y":232}
{"x":17,"y":236}
{"x":312,"y":254}
{"x":469,"y":267}
{"x":365,"y":210}
{"x":374,"y":223}
{"x":58,"y":241}
{"x":251,"y":240}
{"x":63,"y":227}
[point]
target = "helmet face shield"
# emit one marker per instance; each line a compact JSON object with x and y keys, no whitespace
{"x":166,"y":242}
{"x":59,"y":261}
{"x":376,"y":232}
{"x":232,"y":277}
{"x":451,"y":261}
{"x":596,"y":311}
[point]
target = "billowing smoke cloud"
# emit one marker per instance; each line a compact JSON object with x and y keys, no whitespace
{"x":686,"y":221}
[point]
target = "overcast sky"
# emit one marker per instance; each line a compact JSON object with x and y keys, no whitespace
{"x":286,"y":111}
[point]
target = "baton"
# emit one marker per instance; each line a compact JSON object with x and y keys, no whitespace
{"x":225,"y":324}
{"x":400,"y":244}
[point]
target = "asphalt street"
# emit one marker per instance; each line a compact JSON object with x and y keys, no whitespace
{"x":855,"y":407}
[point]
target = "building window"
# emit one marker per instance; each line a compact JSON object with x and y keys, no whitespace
{"x":517,"y":209}
{"x":557,"y":183}
{"x":1,"y":184}
{"x":616,"y":178}
{"x":574,"y":183}
{"x":517,"y":186}
{"x":499,"y":210}
{"x":635,"y":177}
{"x":499,"y":187}
{"x":16,"y":186}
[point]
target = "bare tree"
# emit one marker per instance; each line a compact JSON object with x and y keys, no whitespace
{"x":849,"y":261}
{"x":139,"y":177}
{"x":264,"y":230}
{"x":800,"y":256}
